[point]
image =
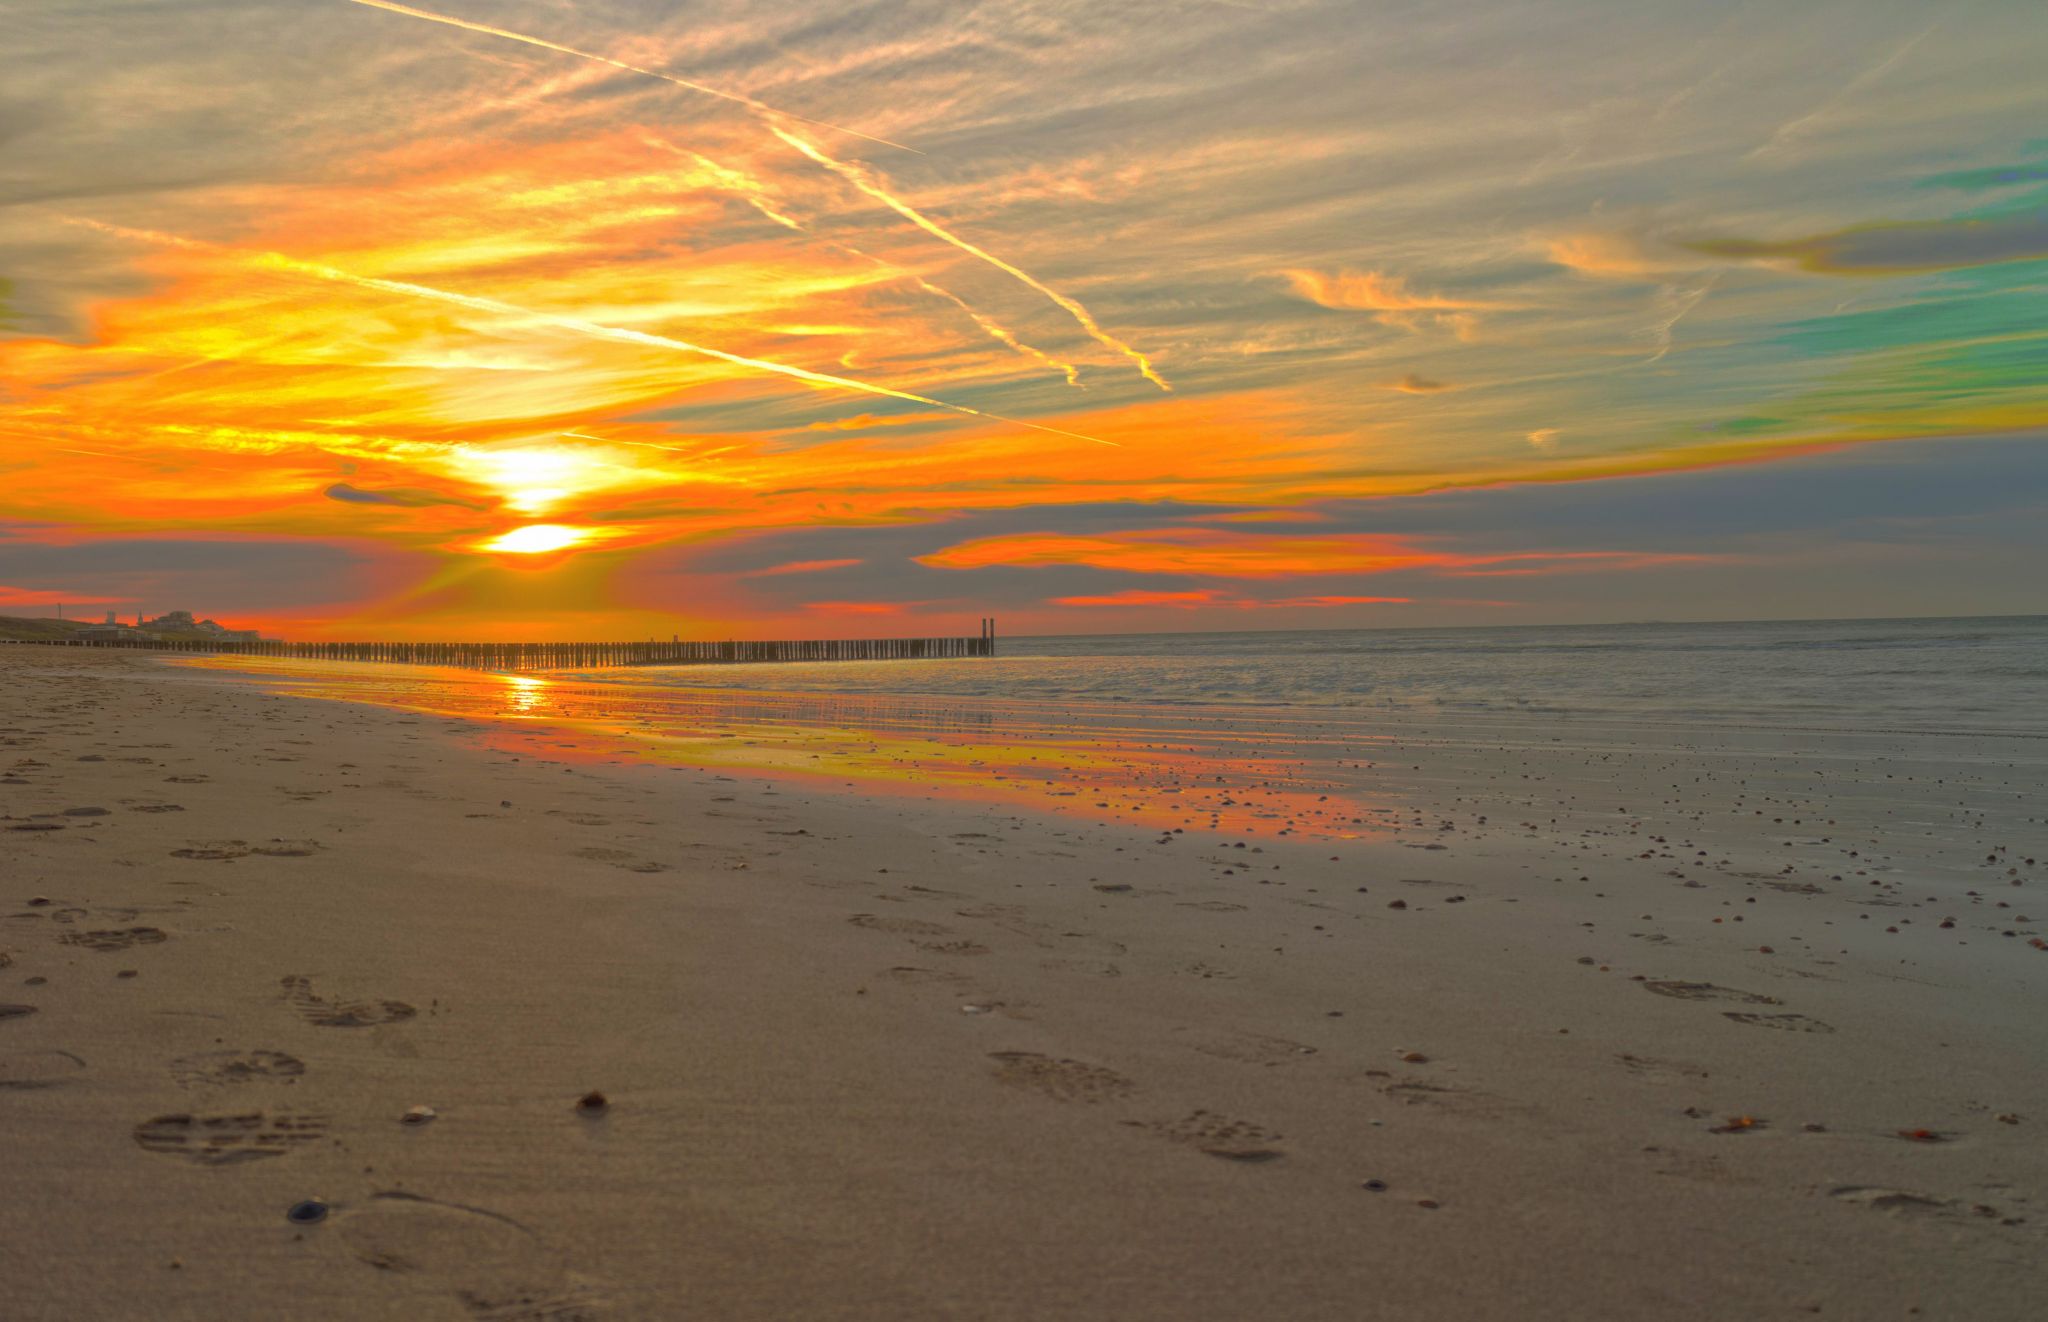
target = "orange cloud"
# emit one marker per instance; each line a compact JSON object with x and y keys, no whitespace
{"x":1389,"y":297}
{"x":1216,"y":597}
{"x":1611,"y":255}
{"x":1143,"y":597}
{"x":863,"y":421}
{"x":801,"y":567}
{"x":1200,"y":551}
{"x":1216,"y":553}
{"x":864,"y":607}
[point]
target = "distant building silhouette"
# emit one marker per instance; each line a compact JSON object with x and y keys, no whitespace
{"x":182,"y":622}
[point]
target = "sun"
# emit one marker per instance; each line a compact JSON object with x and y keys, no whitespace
{"x":538,"y":539}
{"x":534,"y":479}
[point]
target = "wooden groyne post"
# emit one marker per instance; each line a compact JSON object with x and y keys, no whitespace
{"x":575,"y":656}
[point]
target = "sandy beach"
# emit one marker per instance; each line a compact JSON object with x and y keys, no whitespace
{"x":1642,"y":1025}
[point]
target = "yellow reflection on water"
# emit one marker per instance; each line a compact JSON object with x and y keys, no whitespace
{"x":524,"y":695}
{"x":1243,"y":773}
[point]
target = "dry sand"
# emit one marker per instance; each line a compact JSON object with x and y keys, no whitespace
{"x":881,"y":1057}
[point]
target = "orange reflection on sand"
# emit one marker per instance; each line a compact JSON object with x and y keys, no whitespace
{"x":1155,"y":767}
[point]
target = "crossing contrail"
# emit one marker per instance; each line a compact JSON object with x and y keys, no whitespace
{"x":758,"y":107}
{"x":865,"y":182}
{"x":279,"y":262}
{"x":749,"y":189}
{"x":854,"y":174}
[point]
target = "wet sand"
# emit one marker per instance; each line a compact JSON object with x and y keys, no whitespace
{"x":1511,"y":1021}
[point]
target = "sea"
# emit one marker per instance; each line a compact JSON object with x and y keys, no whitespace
{"x":1330,"y":734}
{"x":1971,"y":675}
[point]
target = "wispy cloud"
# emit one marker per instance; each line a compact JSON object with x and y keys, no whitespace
{"x":1899,"y":249}
{"x":760,"y":108}
{"x":1388,"y":297}
{"x":1411,"y":383}
{"x":868,"y":183}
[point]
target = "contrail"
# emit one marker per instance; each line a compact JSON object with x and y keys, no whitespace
{"x":759,"y":108}
{"x":865,"y":182}
{"x":749,"y":190}
{"x":1793,"y":129}
{"x":1677,"y":301}
{"x":273,"y":261}
{"x":738,"y":182}
{"x":853,"y":174}
{"x":996,"y":331}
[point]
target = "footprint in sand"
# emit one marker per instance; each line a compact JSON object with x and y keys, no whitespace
{"x":70,"y":913}
{"x":115,"y":938}
{"x":213,"y":850}
{"x":39,"y":1069}
{"x":1217,"y":1136}
{"x":1651,"y":1067}
{"x":619,"y":858}
{"x":953,"y":947}
{"x":156,"y":807}
{"x":1907,"y":1205}
{"x":1061,"y":1080}
{"x":496,"y":1267}
{"x":1707,"y":991}
{"x":326,"y":1013}
{"x":914,"y":976}
{"x":9,"y":1010}
{"x":208,"y":1068}
{"x":905,"y":926}
{"x":1094,"y":968}
{"x":1788,"y":1023}
{"x":225,"y":1140}
{"x":1254,"y":1049}
{"x":287,"y":849}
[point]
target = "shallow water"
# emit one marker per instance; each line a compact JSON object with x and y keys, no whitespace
{"x":1963,"y":675}
{"x":1928,"y":731}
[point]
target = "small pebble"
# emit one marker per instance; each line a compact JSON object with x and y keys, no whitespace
{"x":592,"y":1102}
{"x":419,"y":1115}
{"x":311,"y":1212}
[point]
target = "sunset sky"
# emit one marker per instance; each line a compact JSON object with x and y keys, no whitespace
{"x":619,"y":318}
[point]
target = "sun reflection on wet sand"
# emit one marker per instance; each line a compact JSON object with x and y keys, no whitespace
{"x":525,"y":695}
{"x":1235,"y":772}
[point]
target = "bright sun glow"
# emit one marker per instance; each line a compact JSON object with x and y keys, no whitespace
{"x":537,"y":538}
{"x":533,"y":479}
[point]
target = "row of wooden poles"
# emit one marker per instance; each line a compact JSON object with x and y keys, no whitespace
{"x":572,"y":656}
